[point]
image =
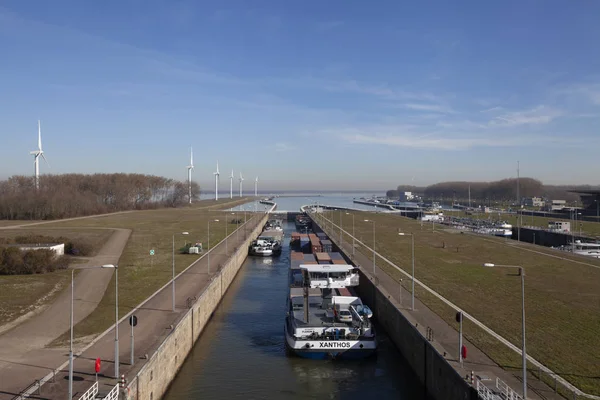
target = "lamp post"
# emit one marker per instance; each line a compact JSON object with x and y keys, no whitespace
{"x":226,"y":245}
{"x":524,"y":353}
{"x":412,"y":245}
{"x":173,"y":269}
{"x":71,"y":340}
{"x":341,"y":231}
{"x":373,"y":222}
{"x":216,"y":220}
{"x":116,"y":319}
{"x":353,"y":236}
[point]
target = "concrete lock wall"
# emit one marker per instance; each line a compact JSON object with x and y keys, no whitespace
{"x":440,"y":380}
{"x":153,"y":380}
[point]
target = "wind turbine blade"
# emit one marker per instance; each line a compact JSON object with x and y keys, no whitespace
{"x":191,"y":157}
{"x":44,"y":157}
{"x":40,"y":135}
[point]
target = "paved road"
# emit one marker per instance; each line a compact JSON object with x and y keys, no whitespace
{"x":446,"y":336}
{"x":24,"y":345}
{"x":154,"y":319}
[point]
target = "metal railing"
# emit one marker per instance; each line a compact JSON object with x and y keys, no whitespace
{"x":91,"y":393}
{"x":485,"y":393}
{"x":506,"y":391}
{"x":113,"y":394}
{"x":541,"y":369}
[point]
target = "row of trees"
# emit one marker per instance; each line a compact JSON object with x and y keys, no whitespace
{"x":73,"y":195}
{"x":503,"y":190}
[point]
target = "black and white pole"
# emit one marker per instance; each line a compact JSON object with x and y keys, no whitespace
{"x":459,"y":319}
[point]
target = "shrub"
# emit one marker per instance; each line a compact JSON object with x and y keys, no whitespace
{"x":13,"y":261}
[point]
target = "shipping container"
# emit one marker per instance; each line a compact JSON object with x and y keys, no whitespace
{"x":322,"y":235}
{"x":335,"y":255}
{"x":296,"y":255}
{"x":322,"y":257}
{"x":309,"y":257}
{"x":324,"y":262}
{"x":341,"y":262}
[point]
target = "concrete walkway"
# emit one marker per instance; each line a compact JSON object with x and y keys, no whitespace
{"x":154,"y":319}
{"x":445,"y":336}
{"x":23,"y":347}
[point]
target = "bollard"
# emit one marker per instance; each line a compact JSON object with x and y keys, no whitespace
{"x":472,"y":378}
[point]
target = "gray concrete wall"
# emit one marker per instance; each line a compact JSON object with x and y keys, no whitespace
{"x":153,"y":380}
{"x":440,"y":380}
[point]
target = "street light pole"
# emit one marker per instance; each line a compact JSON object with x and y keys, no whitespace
{"x":116,"y":321}
{"x":373,"y":222}
{"x":353,"y":236}
{"x":412,"y":246}
{"x":71,"y":341}
{"x":173,"y":270}
{"x":216,"y":220}
{"x":71,"y":317}
{"x":173,"y":275}
{"x":523,"y":349}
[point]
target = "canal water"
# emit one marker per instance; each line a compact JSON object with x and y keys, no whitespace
{"x":241,"y":353}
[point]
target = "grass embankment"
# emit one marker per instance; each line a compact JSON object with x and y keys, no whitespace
{"x":591,"y":229}
{"x":562,"y":295}
{"x":21,"y":294}
{"x":140,"y":274}
{"x":16,"y":222}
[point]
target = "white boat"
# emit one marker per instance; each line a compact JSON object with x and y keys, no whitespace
{"x":586,"y":249}
{"x":265,"y":247}
{"x":320,"y":325}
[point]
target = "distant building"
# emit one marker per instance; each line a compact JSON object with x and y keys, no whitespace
{"x":559,"y":226}
{"x":556,"y":205}
{"x":406,"y":196}
{"x":534,"y":202}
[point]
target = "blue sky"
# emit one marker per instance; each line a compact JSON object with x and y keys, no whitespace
{"x":311,"y":94}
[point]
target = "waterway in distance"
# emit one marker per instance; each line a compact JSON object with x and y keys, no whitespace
{"x":241,"y":353}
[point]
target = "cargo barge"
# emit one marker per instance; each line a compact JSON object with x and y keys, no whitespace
{"x":325,"y":319}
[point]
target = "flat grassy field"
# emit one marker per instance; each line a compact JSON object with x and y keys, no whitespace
{"x":140,"y":274}
{"x":21,"y":294}
{"x":591,"y":229}
{"x":562,"y":294}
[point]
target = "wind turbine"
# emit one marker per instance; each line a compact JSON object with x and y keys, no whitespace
{"x":241,"y":180}
{"x":231,"y":185}
{"x":36,"y":156}
{"x":190,"y":168}
{"x":256,"y":187}
{"x":217,"y":182}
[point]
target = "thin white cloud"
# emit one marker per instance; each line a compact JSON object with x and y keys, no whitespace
{"x":497,"y":108}
{"x":428,"y":107}
{"x":535,"y":116}
{"x":283,"y":147}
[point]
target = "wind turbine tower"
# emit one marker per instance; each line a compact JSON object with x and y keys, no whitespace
{"x":256,"y":187}
{"x":217,"y":182}
{"x":36,"y":157}
{"x":241,"y":180}
{"x":231,"y":185}
{"x":190,"y":168}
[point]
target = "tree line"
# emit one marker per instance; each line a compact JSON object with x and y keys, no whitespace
{"x":504,"y":190}
{"x":74,"y":195}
